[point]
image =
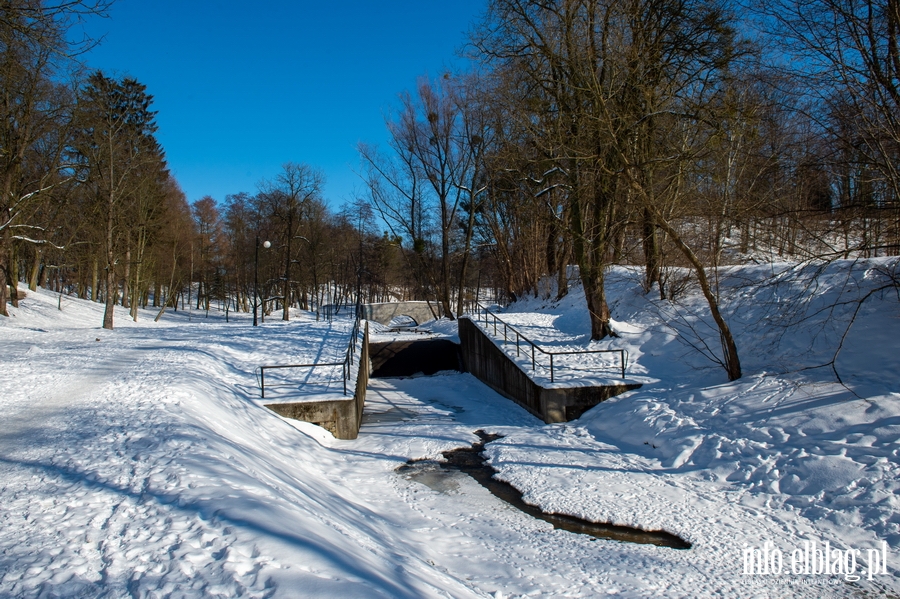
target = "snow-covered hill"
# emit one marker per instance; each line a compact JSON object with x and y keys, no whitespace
{"x":804,"y":456}
{"x":139,"y":462}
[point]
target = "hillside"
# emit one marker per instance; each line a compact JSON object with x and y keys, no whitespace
{"x":139,"y":462}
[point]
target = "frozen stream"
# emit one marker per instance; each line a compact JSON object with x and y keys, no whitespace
{"x":396,"y":358}
{"x":470,"y":460}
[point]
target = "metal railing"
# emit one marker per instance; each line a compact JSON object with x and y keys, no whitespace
{"x":345,"y":364}
{"x":507,"y":328}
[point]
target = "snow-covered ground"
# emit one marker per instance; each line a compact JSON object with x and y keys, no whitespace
{"x":140,"y":462}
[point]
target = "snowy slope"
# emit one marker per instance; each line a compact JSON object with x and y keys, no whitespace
{"x":139,"y":465}
{"x":142,"y":463}
{"x":785,"y":454}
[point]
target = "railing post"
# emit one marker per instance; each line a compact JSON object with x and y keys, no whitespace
{"x":262,"y":380}
{"x":551,"y":368}
{"x":533,"y":365}
{"x":517,"y":344}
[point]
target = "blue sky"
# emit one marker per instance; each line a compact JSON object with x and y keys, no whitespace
{"x":241,"y":88}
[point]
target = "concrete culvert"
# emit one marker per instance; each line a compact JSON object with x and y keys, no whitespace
{"x":403,"y":322}
{"x":406,"y":358}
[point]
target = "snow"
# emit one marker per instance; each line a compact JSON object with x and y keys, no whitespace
{"x":142,"y":462}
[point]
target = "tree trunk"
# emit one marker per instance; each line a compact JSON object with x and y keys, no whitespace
{"x":286,"y":290}
{"x":171,"y":297}
{"x":589,"y":255}
{"x":731,"y":362}
{"x":651,"y":254}
{"x":592,"y":280}
{"x":136,"y":292}
{"x":445,"y":272}
{"x":562,"y":276}
{"x":110,"y":265}
{"x":126,"y":292}
{"x":110,"y":295}
{"x":35,"y":269}
{"x":13,"y":274}
{"x":286,"y":302}
{"x":4,"y":287}
{"x":467,"y":251}
{"x":595,"y":295}
{"x":95,"y":281}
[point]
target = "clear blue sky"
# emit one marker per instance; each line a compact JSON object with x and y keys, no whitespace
{"x":243,"y":87}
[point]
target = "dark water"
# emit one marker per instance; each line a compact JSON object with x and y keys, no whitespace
{"x":470,"y":461}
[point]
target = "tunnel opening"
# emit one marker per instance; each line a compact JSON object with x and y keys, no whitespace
{"x":407,"y":358}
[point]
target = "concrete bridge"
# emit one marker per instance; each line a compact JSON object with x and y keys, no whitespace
{"x":384,"y":313}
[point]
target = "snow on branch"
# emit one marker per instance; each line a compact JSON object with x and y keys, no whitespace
{"x":469,"y":190}
{"x":38,"y":242}
{"x":14,"y":209}
{"x":555,"y":169}
{"x":551,"y":188}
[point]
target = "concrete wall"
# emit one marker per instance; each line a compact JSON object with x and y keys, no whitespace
{"x":342,"y":417}
{"x":362,"y":382}
{"x":384,"y":313}
{"x":492,"y":366}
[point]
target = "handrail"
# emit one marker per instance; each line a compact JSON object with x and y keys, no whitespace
{"x":623,"y":354}
{"x":262,"y":372}
{"x":345,"y":364}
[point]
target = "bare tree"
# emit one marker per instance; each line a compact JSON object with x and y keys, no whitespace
{"x":562,"y":51}
{"x":207,"y":222}
{"x":849,"y":52}
{"x":288,"y":199}
{"x":397,"y":191}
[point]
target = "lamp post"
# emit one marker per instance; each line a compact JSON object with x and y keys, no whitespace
{"x":266,"y":245}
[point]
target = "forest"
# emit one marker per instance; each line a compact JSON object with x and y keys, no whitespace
{"x":677,"y":136}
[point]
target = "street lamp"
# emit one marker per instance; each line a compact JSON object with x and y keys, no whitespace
{"x":266,"y":245}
